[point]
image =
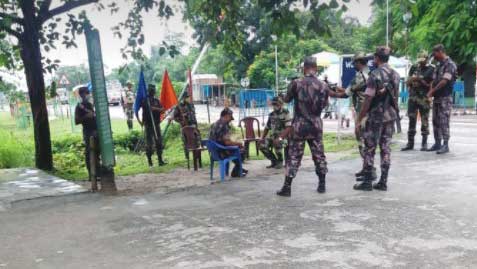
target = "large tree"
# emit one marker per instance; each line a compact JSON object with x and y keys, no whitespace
{"x":32,"y":27}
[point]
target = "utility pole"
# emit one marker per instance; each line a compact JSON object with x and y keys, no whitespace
{"x":387,"y":23}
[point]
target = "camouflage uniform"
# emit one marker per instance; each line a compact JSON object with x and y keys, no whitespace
{"x":310,"y":97}
{"x":442,"y":103}
{"x":418,"y":101}
{"x":89,"y":130}
{"x":356,"y":89}
{"x":128,"y":107}
{"x":151,"y":142}
{"x":184,"y":114}
{"x":381,"y":117}
{"x":220,"y":132}
{"x":276,"y":124}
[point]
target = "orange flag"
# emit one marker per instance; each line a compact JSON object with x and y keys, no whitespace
{"x":168,"y":95}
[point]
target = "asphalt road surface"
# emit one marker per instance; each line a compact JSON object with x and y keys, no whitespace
{"x":427,"y":219}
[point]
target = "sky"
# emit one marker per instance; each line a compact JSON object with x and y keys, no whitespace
{"x":155,"y":29}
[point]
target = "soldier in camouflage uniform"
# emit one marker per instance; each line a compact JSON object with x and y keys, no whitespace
{"x":278,"y":120}
{"x":310,"y":96}
{"x":220,"y":133}
{"x":128,"y":103}
{"x":152,"y":125}
{"x":419,"y":82}
{"x":184,"y":112}
{"x":381,"y":110}
{"x":442,"y":87}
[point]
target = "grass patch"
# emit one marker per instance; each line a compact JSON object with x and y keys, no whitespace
{"x":17,"y":149}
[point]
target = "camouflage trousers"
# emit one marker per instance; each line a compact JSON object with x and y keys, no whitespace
{"x":151,"y":143}
{"x":130,"y":116}
{"x":296,"y":149}
{"x":272,"y":151}
{"x":423,"y":107}
{"x":441,"y":113}
{"x":377,"y":134}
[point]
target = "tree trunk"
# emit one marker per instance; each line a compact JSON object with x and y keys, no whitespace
{"x":468,"y":75}
{"x":31,"y":57}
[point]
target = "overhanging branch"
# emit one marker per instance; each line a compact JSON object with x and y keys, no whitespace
{"x":64,"y":8}
{"x":11,"y":32}
{"x":12,"y":17}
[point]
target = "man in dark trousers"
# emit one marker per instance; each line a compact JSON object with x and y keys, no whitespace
{"x":85,"y":115}
{"x":220,"y":133}
{"x":151,"y":120}
{"x":442,"y":87}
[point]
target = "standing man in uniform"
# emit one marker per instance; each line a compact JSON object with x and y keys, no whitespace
{"x":220,"y":133}
{"x":441,"y":89}
{"x":419,"y":83}
{"x":184,"y":112}
{"x":128,"y":103}
{"x":310,"y":96}
{"x":151,"y":119}
{"x":85,"y":115}
{"x":381,"y":109}
{"x":278,"y":120}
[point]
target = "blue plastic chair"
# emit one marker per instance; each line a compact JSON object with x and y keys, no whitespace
{"x":214,"y":151}
{"x":459,"y":97}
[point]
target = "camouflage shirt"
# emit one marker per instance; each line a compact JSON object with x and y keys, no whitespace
{"x":146,"y":116}
{"x":277,"y":122}
{"x":184,"y":114}
{"x":357,"y":87}
{"x":445,"y":70}
{"x":375,"y":88}
{"x":417,"y":90}
{"x":310,"y":97}
{"x":219,"y":131}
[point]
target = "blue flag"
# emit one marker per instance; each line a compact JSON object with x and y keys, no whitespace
{"x":141,"y":93}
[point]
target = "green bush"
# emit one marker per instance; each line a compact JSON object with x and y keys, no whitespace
{"x":15,"y":151}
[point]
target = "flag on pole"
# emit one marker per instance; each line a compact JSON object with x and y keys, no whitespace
{"x":141,"y":93}
{"x":168,"y":95}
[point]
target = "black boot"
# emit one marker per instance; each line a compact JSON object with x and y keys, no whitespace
{"x":360,"y":175}
{"x":130,"y":125}
{"x":424,"y":143}
{"x":444,"y":149}
{"x":161,"y":161}
{"x":272,"y":165}
{"x":366,"y":185}
{"x":437,"y":146}
{"x":279,"y":163}
{"x":382,"y":183}
{"x":321,"y":183}
{"x":410,"y":143}
{"x":149,"y":160}
{"x":286,"y":189}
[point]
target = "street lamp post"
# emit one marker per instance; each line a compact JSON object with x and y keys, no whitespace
{"x":387,"y":23}
{"x":274,"y":37}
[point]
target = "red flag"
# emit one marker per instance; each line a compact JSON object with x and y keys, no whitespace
{"x":168,"y":95}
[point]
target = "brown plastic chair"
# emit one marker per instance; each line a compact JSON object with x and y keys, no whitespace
{"x":249,"y":135}
{"x":192,"y":143}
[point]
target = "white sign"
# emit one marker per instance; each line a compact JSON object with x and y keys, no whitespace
{"x":64,"y":80}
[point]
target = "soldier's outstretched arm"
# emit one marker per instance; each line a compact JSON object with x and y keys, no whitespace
{"x":290,"y":95}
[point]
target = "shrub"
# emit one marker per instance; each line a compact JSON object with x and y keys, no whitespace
{"x":15,"y":151}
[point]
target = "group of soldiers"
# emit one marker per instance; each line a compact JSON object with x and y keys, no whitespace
{"x":374,"y":97}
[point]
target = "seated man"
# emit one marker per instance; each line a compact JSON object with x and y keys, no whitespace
{"x":220,"y":133}
{"x":278,"y":120}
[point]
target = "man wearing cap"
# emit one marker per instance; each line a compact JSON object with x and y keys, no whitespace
{"x":442,"y":87}
{"x":184,"y":112}
{"x":310,"y":96}
{"x":85,"y":115}
{"x":220,"y":133}
{"x":128,"y":103}
{"x":381,"y":111}
{"x":419,"y":82}
{"x":277,"y":122}
{"x":151,"y":119}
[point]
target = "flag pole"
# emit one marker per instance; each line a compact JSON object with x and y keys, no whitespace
{"x":194,"y":69}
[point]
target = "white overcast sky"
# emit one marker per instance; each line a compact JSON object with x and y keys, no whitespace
{"x":155,"y":29}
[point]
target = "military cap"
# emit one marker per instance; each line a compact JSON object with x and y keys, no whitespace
{"x":151,"y":87}
{"x":83,"y":90}
{"x":360,"y":57}
{"x":227,"y":111}
{"x":309,"y":61}
{"x":438,"y":47}
{"x":277,"y":100}
{"x":129,"y":82}
{"x":382,"y":51}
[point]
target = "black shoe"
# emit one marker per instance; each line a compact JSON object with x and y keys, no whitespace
{"x":286,"y":189}
{"x":381,"y":185}
{"x":272,"y":165}
{"x":162,"y":163}
{"x":363,"y":186}
{"x":149,"y":161}
{"x":443,"y":150}
{"x":361,"y":175}
{"x":321,"y":184}
{"x":424,"y":143}
{"x":279,"y":165}
{"x":409,"y":146}
{"x":435,"y":147}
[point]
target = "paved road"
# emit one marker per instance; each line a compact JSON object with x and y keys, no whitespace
{"x":427,"y":219}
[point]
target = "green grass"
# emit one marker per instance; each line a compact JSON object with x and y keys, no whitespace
{"x":18,"y":149}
